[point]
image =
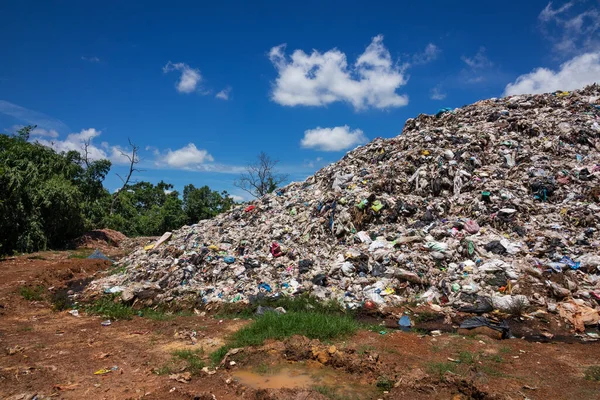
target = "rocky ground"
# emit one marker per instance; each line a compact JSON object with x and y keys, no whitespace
{"x":49,"y":353}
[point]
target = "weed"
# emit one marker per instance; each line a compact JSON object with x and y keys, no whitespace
{"x":436,"y":348}
{"x":328,"y":391}
{"x":373,"y":328}
{"x":314,"y":325}
{"x":164,"y":370}
{"x":107,"y":307}
{"x":505,"y":350}
{"x":192,"y":359}
{"x":217,"y":356}
{"x":466,"y":357}
{"x":35,"y":293}
{"x":36,"y":257}
{"x":302,"y":303}
{"x":384,"y":383}
{"x":83,"y":253}
{"x":161,"y":314}
{"x":439,"y":369}
{"x":592,"y":373}
{"x":117,"y":269}
{"x":496,"y":358}
{"x":492,"y":371}
{"x":425,"y":316}
{"x":362,"y":349}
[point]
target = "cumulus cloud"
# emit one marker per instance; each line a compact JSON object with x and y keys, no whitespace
{"x":332,"y":139}
{"x":186,"y":157}
{"x":189,"y":79}
{"x":224,"y":94}
{"x":77,"y":142}
{"x":573,"y":74}
{"x":437,"y":94}
{"x":572,"y":30}
{"x":319,"y":79}
{"x":430,"y":53}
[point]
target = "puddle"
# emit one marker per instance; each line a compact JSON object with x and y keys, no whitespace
{"x":301,"y":376}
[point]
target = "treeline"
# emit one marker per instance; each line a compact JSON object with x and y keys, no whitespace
{"x":49,"y":198}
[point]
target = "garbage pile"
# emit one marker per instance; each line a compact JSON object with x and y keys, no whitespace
{"x":495,"y":205}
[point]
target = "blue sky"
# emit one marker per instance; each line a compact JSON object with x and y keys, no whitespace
{"x":203,"y":87}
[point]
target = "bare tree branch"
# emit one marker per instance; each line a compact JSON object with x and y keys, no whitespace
{"x":260,"y":177}
{"x":86,"y":152}
{"x":133,"y":160}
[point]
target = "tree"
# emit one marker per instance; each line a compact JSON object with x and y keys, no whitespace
{"x":260,"y":177}
{"x":133,"y":160}
{"x":203,"y":203}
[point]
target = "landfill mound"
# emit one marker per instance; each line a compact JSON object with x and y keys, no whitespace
{"x":494,"y":205}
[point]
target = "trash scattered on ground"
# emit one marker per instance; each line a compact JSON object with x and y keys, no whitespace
{"x":495,"y":205}
{"x":106,"y":323}
{"x":183,"y":377}
{"x":74,"y":313}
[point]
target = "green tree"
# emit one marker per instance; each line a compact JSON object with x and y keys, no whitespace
{"x":203,"y":203}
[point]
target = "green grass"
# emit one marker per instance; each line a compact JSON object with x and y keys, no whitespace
{"x":162,"y":315}
{"x":505,"y":350}
{"x":35,"y":293}
{"x":425,"y":316}
{"x":384,"y":383}
{"x":164,"y":370}
{"x":192,"y":359}
{"x":466,"y":357}
{"x":592,"y":373}
{"x":496,"y":358}
{"x":117,"y":269}
{"x":290,"y":304}
{"x":83,"y":253}
{"x":439,"y":369}
{"x":314,"y":325}
{"x":108,"y":308}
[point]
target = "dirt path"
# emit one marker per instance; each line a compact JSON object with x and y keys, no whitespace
{"x":55,"y":354}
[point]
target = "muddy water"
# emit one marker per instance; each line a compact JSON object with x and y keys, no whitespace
{"x":301,"y":376}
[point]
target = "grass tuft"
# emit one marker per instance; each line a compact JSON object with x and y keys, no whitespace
{"x":108,"y":308}
{"x":192,"y":358}
{"x":314,"y":325}
{"x":439,"y":369}
{"x":384,"y":383}
{"x":35,"y":293}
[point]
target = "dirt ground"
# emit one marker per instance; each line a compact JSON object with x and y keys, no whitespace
{"x":53,"y":354}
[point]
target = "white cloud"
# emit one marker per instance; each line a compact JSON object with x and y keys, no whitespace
{"x":92,"y":59}
{"x":573,"y":74}
{"x":186,"y":157}
{"x":77,"y":141}
{"x":332,"y":139}
{"x":236,"y":198}
{"x":189,"y":79}
{"x":224,"y":94}
{"x":478,"y":61}
{"x":572,"y":31}
{"x":430,"y":53}
{"x":437,"y":94}
{"x":318,"y":79}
